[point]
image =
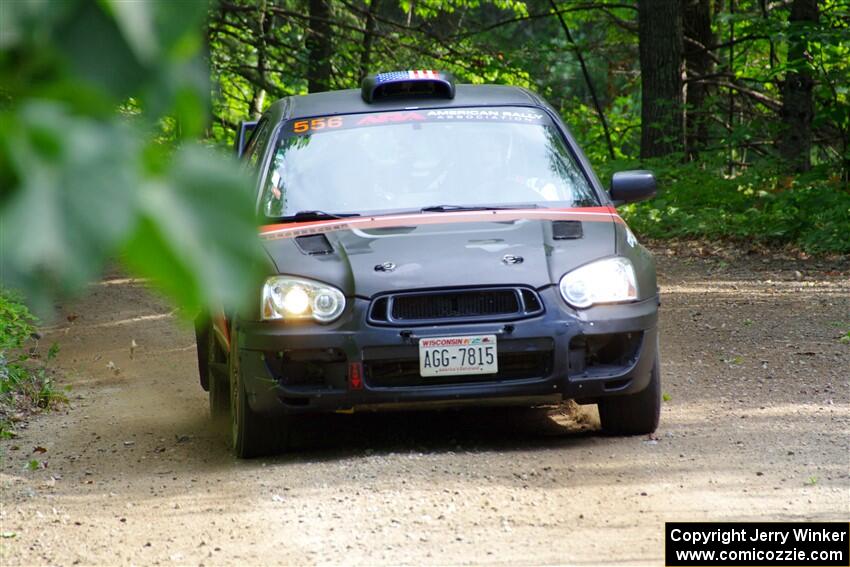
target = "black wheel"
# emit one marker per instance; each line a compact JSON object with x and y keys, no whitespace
{"x":202,"y":340}
{"x":251,"y":434}
{"x":634,"y":414}
{"x":219,"y":389}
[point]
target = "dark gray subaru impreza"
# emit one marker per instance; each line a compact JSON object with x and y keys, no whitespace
{"x":433,"y":245}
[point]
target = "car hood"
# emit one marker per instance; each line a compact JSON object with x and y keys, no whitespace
{"x":367,"y":256}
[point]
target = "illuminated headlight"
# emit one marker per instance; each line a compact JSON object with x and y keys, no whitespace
{"x":286,"y":297}
{"x":611,"y":280}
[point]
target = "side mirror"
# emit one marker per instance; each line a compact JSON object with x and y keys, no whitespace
{"x":245,"y":131}
{"x":631,"y":186}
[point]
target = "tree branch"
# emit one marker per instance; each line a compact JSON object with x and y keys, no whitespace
{"x":761,"y":98}
{"x":587,"y":79}
{"x":604,"y":7}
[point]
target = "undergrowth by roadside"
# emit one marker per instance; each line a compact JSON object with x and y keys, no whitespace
{"x":26,"y":380}
{"x":761,"y":204}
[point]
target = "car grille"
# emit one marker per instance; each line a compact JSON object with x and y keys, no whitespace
{"x":459,"y":304}
{"x":455,"y":306}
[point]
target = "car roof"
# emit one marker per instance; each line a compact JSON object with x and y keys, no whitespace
{"x":350,"y":101}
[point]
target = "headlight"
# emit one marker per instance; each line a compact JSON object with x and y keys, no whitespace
{"x":611,"y":280}
{"x":286,"y":297}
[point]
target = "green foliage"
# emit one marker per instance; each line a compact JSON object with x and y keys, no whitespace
{"x":762,"y":204}
{"x":16,"y":322}
{"x":623,"y":119}
{"x":99,"y":102}
{"x":25,"y":384}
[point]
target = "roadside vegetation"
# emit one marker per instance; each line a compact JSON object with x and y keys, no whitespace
{"x":27,"y":383}
{"x":763,"y":205}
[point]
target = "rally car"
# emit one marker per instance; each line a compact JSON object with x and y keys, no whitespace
{"x":433,"y":244}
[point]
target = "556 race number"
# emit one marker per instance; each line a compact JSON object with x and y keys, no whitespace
{"x":302,"y":126}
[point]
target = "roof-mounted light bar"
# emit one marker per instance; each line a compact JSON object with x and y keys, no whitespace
{"x":403,"y":84}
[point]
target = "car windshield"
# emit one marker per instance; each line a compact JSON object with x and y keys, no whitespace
{"x":444,"y":158}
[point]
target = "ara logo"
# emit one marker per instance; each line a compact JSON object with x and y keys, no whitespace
{"x":385,"y":267}
{"x":390,"y":118}
{"x":510,"y":259}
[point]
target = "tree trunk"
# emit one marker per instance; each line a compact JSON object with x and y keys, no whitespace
{"x":319,"y":47}
{"x":660,"y":36}
{"x":259,"y":98}
{"x":696,"y":26}
{"x":730,"y":119}
{"x":368,"y":38}
{"x":797,"y":113}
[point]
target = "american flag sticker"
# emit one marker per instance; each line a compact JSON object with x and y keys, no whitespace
{"x":428,"y":74}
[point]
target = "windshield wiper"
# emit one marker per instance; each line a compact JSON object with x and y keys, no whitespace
{"x":449,"y":208}
{"x":315,"y":215}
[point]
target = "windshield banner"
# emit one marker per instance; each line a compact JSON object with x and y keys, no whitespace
{"x":343,"y":122}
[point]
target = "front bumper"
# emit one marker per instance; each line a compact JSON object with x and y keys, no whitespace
{"x":560,"y":354}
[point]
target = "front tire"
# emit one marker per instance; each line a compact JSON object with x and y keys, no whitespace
{"x":251,"y":434}
{"x":634,"y":414}
{"x":219,"y":390}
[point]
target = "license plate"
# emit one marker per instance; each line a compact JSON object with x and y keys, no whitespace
{"x":458,"y":356}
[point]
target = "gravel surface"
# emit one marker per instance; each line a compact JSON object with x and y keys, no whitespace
{"x":754,"y":427}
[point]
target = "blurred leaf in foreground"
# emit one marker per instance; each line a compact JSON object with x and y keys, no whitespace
{"x":193,"y":224}
{"x":81,"y":182}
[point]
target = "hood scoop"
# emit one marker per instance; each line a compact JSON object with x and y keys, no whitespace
{"x":567,"y":230}
{"x":314,"y":244}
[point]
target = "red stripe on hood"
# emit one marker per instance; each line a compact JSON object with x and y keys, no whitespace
{"x":293,"y":229}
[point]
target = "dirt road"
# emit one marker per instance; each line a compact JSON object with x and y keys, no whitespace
{"x":756,"y":426}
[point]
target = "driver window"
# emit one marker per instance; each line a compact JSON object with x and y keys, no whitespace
{"x":255,"y":146}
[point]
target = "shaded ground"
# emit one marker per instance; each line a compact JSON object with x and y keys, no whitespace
{"x":756,"y":427}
